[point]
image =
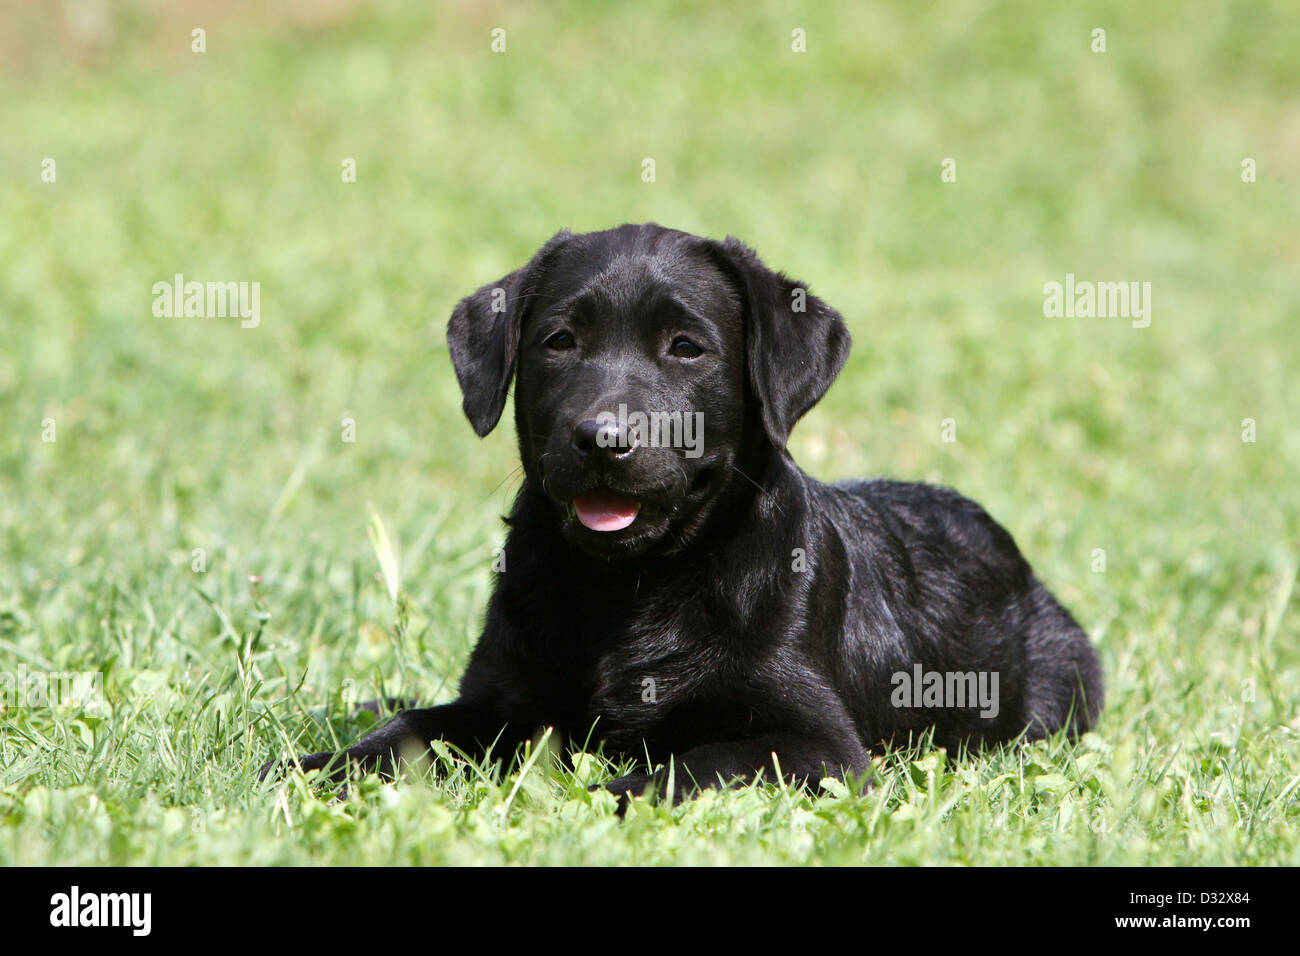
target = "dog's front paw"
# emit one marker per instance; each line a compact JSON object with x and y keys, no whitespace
{"x":275,"y":769}
{"x":631,"y":784}
{"x":628,"y":787}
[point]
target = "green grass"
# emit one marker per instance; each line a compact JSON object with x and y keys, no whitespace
{"x":1077,"y":434}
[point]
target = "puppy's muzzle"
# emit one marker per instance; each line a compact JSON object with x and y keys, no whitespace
{"x":593,"y":438}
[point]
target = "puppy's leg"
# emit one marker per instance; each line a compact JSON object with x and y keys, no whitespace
{"x":465,"y":726}
{"x":732,"y":763}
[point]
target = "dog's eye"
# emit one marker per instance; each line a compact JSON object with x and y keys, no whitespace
{"x":560,"y":341}
{"x":683,"y":347}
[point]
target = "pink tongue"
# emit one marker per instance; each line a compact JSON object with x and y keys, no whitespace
{"x":606,"y":511}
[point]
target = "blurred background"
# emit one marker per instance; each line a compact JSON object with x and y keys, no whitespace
{"x":1078,"y":434}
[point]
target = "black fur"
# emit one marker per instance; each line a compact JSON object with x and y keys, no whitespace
{"x":749,"y":611}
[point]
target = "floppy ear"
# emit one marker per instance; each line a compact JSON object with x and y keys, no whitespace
{"x":483,"y":338}
{"x":795,"y":344}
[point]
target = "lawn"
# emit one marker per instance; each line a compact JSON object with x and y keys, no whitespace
{"x":181,"y":512}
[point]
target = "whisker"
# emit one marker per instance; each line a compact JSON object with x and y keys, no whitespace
{"x":762,"y":490}
{"x":517,"y":470}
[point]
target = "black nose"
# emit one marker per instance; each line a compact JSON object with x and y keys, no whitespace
{"x":593,"y":436}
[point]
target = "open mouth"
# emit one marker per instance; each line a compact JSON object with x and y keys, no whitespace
{"x":604,"y":510}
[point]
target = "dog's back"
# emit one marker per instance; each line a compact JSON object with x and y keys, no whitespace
{"x":939,"y":585}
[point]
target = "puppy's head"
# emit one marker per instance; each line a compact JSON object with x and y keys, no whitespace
{"x":650,"y":364}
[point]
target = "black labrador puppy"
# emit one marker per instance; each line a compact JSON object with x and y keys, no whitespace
{"x":674,"y":580}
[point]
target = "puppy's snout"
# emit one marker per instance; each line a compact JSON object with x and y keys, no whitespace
{"x":594,"y":437}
